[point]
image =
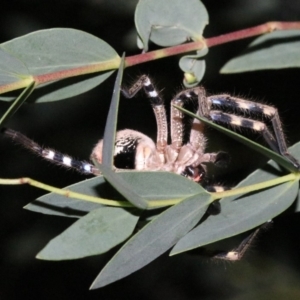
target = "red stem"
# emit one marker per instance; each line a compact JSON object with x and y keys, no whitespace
{"x":152,"y":55}
{"x":210,"y":42}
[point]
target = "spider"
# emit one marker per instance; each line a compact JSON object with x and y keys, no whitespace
{"x":135,"y":150}
{"x":190,"y":159}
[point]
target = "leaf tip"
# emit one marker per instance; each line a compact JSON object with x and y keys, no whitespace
{"x":174,"y":251}
{"x":99,"y":282}
{"x":38,"y":256}
{"x":224,"y":70}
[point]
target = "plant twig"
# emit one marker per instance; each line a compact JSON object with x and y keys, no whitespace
{"x":152,"y":203}
{"x":152,"y":55}
{"x":210,"y":42}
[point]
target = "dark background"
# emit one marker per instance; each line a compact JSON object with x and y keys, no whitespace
{"x":271,"y":268}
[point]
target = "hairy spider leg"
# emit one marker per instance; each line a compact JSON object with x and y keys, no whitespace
{"x":239,"y":105}
{"x":176,"y":154}
{"x":158,"y":107}
{"x":197,"y":141}
{"x":50,"y":154}
{"x":277,"y":144}
{"x":238,"y":252}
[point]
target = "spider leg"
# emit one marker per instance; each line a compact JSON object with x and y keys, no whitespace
{"x":277,"y":144}
{"x":50,"y":154}
{"x":158,"y":107}
{"x":197,"y":137}
{"x":238,"y":253}
{"x":193,"y":153}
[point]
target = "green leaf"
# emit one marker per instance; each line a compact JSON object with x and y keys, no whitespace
{"x":11,"y":68}
{"x":154,"y":239}
{"x":17,"y":104}
{"x":111,"y":122}
{"x":146,"y":184}
{"x":281,"y":160}
{"x":297,"y":206}
{"x":108,"y":149}
{"x":125,"y":189}
{"x":192,"y":64}
{"x":276,"y":50}
{"x":54,"y":204}
{"x":149,"y":185}
{"x":96,"y":233}
{"x":295,"y":151}
{"x":53,"y":50}
{"x":242,"y":213}
{"x":170,"y":22}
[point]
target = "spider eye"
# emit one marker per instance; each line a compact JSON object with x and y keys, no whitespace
{"x":194,"y":173}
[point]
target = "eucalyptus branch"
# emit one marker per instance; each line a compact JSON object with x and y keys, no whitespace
{"x":63,"y":192}
{"x":149,"y":56}
{"x":256,"y":187}
{"x":151,"y":203}
{"x":210,"y":42}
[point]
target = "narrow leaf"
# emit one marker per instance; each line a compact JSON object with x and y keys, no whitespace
{"x":123,"y":188}
{"x":108,"y":149}
{"x":17,"y":104}
{"x":242,"y":213}
{"x":54,"y":204}
{"x":154,"y":239}
{"x":281,"y":160}
{"x":146,"y":184}
{"x":149,"y":185}
{"x":111,"y":121}
{"x":276,"y":50}
{"x":96,"y":233}
{"x":295,"y":151}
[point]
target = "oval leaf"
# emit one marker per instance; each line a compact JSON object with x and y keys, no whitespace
{"x":276,"y":50}
{"x":170,"y":22}
{"x":54,"y":50}
{"x":96,"y":233}
{"x":193,"y":65}
{"x":154,"y":239}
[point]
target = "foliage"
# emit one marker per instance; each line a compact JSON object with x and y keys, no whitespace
{"x":42,"y":59}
